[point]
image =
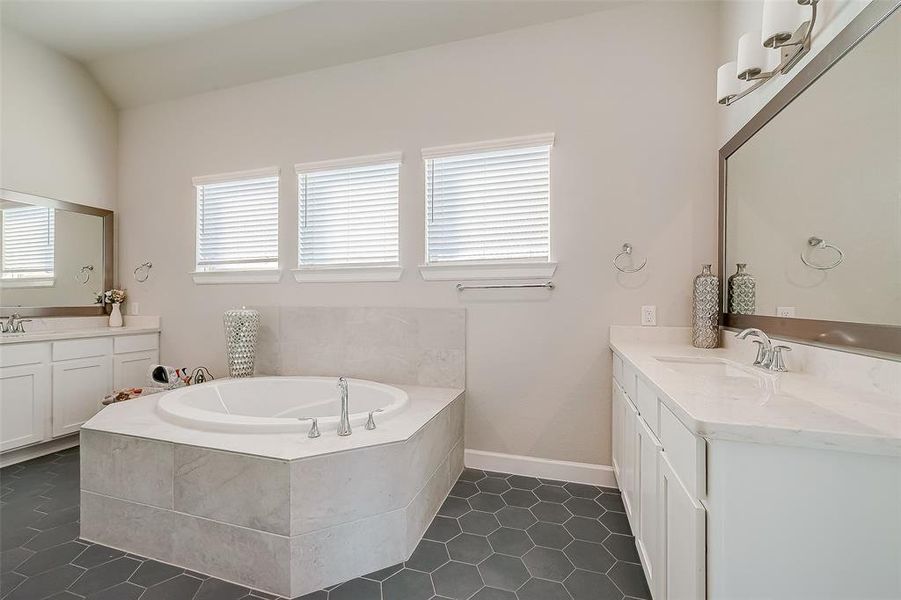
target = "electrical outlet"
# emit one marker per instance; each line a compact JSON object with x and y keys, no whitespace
{"x":785,"y":311}
{"x":649,"y":316}
{"x":134,"y":308}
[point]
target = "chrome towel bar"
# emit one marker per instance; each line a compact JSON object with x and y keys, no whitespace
{"x":548,"y":285}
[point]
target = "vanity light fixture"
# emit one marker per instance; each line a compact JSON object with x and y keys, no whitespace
{"x":780,"y":31}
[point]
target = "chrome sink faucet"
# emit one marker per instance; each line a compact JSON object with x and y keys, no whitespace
{"x":14,"y":324}
{"x":344,"y":421}
{"x":769,"y":356}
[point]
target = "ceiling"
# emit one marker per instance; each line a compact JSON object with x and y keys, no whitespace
{"x":146,"y":51}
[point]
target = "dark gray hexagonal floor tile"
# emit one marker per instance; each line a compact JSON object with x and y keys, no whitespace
{"x":457,"y":580}
{"x":96,"y":554}
{"x":515,"y":517}
{"x":486,"y":502}
{"x":123,"y":591}
{"x":216,"y":589}
{"x":585,"y":585}
{"x":383,"y":574}
{"x":504,"y":572}
{"x":550,"y":535}
{"x":479,"y":522}
{"x":616,"y":522}
{"x":521,"y":498}
{"x":65,"y":596}
{"x":590,"y":530}
{"x":584,"y":507}
{"x":49,"y":583}
{"x":53,"y":537}
{"x":442,"y":529}
{"x":630,"y":579}
{"x":581,"y":490}
{"x":55,"y":519}
{"x":407,"y":585}
{"x":622,"y":547}
{"x":514,"y":542}
{"x":9,"y":582}
{"x":454,"y":507}
{"x":551,"y":512}
{"x":472,"y":475}
{"x":489,"y":593}
{"x":464,"y":489}
{"x":428,"y":556}
{"x":521,"y":482}
{"x":152,"y":572}
{"x":468,"y":548}
{"x":180,"y":587}
{"x":356,"y":589}
{"x":612,"y":502}
{"x":547,"y":563}
{"x":12,"y":558}
{"x":541,"y":589}
{"x":105,"y":576}
{"x":589,"y":556}
{"x":50,"y":558}
{"x":493,"y":485}
{"x":317,"y":595}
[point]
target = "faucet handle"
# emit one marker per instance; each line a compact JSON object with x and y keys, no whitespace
{"x":778,"y":363}
{"x":370,"y":422}
{"x":314,"y":428}
{"x":761,"y":353}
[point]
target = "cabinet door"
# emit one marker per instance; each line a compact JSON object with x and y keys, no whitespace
{"x":646,"y":538}
{"x":130,"y":369}
{"x":631,"y":467}
{"x":681,"y":538}
{"x":24,"y":400}
{"x":618,"y":416}
{"x":78,"y":389}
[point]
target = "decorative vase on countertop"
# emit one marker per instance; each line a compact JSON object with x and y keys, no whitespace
{"x":705,"y":332}
{"x":241,"y":328}
{"x":115,"y":317}
{"x":742,"y":292}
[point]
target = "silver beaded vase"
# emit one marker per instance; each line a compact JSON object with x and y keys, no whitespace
{"x":742,"y":291}
{"x":705,"y":331}
{"x":241,"y":328}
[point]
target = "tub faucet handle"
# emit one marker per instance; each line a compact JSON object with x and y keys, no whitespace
{"x":370,"y":422}
{"x":314,"y":428}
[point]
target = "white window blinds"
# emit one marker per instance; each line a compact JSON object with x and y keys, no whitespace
{"x":488,"y":205}
{"x":348,"y":212}
{"x":28,"y":241}
{"x":237,"y":221}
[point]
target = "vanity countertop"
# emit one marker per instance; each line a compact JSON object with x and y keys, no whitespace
{"x":73,"y":328}
{"x":793,"y":408}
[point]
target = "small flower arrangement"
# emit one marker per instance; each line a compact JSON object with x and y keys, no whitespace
{"x":112,"y":296}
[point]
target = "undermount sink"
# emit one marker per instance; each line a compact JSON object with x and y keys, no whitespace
{"x":705,"y":367}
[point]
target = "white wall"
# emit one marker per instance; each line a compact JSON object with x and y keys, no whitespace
{"x":59,"y":131}
{"x":634,"y":161}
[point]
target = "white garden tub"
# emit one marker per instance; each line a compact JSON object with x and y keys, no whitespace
{"x":276,"y":404}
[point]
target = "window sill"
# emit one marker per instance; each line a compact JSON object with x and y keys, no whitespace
{"x":451,"y":272}
{"x":226,"y":277}
{"x":25,"y":282}
{"x":354,"y":274}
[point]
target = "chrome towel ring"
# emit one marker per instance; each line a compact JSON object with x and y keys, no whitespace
{"x":146,"y":272}
{"x":627,"y":251}
{"x":821,"y":244}
{"x":84,"y":275}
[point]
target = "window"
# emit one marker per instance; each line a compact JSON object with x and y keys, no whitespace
{"x":28,"y":242}
{"x":237,"y":222}
{"x":348,"y":219}
{"x":489,"y":203}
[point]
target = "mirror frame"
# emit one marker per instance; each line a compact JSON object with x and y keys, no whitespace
{"x":109,"y":269}
{"x":861,"y":338}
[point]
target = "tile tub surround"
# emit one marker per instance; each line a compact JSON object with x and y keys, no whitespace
{"x":856,"y":407}
{"x":43,"y":557}
{"x":417,"y":346}
{"x":289,"y":524}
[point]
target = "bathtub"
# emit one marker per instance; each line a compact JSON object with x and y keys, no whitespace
{"x":276,"y":404}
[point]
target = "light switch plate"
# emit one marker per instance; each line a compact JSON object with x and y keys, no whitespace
{"x":785,"y":311}
{"x":134,"y":308}
{"x":649,"y":316}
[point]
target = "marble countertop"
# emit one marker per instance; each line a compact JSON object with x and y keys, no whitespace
{"x":72,"y":328}
{"x":791,"y":408}
{"x":139,"y":418}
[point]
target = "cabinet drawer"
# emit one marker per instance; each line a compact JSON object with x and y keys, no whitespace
{"x":685,"y":451}
{"x":69,"y":349}
{"x":646,"y":401}
{"x":618,"y":369}
{"x":136,"y":343}
{"x":12,"y":355}
{"x":628,"y":382}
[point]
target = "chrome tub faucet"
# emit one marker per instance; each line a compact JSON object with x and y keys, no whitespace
{"x":344,"y":421}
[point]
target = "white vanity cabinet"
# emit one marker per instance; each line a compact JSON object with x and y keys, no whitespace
{"x":48,"y":389}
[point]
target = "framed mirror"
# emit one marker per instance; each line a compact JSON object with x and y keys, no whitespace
{"x":810,"y":199}
{"x":56,"y":256}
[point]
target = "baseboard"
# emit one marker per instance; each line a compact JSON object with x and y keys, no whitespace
{"x":561,"y":470}
{"x":13,"y":457}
